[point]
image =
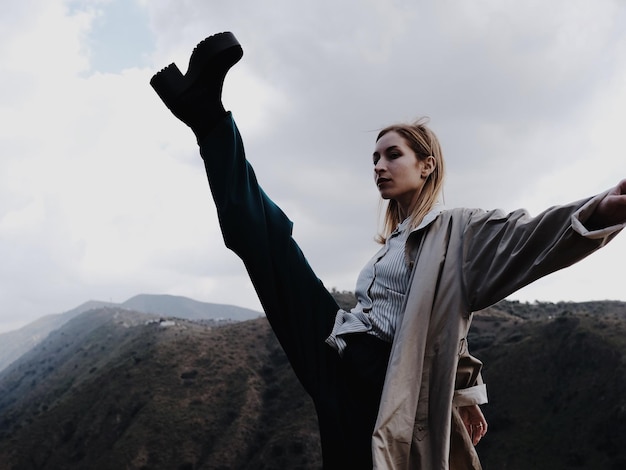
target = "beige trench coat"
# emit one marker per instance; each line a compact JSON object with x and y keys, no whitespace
{"x":465,"y":261}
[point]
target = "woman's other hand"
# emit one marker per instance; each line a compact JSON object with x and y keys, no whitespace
{"x":611,"y":210}
{"x":474,"y":421}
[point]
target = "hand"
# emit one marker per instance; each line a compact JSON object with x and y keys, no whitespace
{"x":611,"y":210}
{"x":474,"y":422}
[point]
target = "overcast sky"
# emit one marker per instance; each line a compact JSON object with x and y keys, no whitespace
{"x":103,"y":194}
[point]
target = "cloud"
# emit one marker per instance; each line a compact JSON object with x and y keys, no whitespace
{"x":103,"y":195}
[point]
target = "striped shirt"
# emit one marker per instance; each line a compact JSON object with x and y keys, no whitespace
{"x":380,"y":291}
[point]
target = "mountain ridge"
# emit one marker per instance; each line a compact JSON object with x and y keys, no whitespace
{"x":15,"y":343}
{"x":114,"y":388}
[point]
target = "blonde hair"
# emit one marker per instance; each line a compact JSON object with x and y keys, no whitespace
{"x":424,"y":143}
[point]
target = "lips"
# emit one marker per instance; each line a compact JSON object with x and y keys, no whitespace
{"x":380,"y":181}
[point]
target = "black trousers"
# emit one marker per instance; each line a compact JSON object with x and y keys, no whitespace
{"x":363,"y":371}
{"x":346,"y":392}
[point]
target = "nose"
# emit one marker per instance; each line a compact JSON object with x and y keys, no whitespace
{"x":379,"y":167}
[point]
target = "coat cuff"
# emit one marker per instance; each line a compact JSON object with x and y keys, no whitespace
{"x":580,"y":217}
{"x":476,"y":395}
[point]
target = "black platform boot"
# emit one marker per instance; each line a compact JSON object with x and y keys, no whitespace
{"x":196,"y":97}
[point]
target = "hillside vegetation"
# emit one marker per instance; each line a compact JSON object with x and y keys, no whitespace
{"x":15,"y":343}
{"x":117,"y":389}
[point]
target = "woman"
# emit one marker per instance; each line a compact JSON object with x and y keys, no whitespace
{"x":392,"y":381}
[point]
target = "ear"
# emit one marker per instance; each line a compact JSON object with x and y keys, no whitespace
{"x":428,"y":166}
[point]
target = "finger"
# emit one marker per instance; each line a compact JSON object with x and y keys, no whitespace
{"x":478,"y":430}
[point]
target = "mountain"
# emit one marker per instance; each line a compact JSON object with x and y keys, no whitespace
{"x":15,"y":343}
{"x":190,"y":309}
{"x":114,"y":388}
{"x":556,"y":376}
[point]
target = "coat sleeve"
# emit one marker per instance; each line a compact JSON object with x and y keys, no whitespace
{"x":469,"y":388}
{"x":504,"y":252}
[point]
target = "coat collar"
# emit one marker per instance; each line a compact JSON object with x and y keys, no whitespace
{"x":437,"y":209}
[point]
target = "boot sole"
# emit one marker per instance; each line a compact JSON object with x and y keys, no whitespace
{"x":221,"y":49}
{"x":169,"y":83}
{"x":222,"y":45}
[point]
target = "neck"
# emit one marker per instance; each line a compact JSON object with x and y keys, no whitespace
{"x":406,"y":208}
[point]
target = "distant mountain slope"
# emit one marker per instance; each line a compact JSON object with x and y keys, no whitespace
{"x":183,"y":307}
{"x":15,"y":343}
{"x":110,"y":390}
{"x":556,"y":376}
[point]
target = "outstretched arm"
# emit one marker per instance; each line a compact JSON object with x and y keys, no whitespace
{"x":505,"y":252}
{"x":611,"y":210}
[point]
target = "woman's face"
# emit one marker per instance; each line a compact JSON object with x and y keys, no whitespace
{"x":398,"y":173}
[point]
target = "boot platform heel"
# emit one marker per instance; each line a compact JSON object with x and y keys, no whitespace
{"x":169,"y":84}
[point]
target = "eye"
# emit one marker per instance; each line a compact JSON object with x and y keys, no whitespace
{"x":375,"y":159}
